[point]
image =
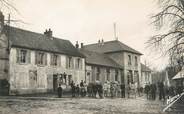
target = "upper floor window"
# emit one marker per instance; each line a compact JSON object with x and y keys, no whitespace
{"x":41,"y":58}
{"x":129,"y":60}
{"x":136,"y":61}
{"x":23,"y":56}
{"x":69,"y":62}
{"x":78,"y":63}
{"x":54,"y":60}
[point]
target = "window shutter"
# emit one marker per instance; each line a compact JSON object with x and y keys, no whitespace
{"x":67,"y":62}
{"x":51,"y":59}
{"x":59,"y":60}
{"x":18,"y":55}
{"x":28,"y":57}
{"x":76,"y":63}
{"x":45,"y":58}
{"x":36,"y":57}
{"x":72,"y":63}
{"x":80,"y":63}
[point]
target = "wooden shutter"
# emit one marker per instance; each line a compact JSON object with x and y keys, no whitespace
{"x":67,"y":62}
{"x":18,"y":55}
{"x":45,"y":58}
{"x":28,"y":58}
{"x":36,"y":57}
{"x":59,"y":60}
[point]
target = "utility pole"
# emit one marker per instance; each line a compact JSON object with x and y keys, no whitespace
{"x":8,"y":33}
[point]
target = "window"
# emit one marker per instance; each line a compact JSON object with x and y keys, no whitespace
{"x":136,"y":62}
{"x":116,"y":75}
{"x":55,"y":60}
{"x":41,"y":58}
{"x":78,"y":63}
{"x":130,"y":77}
{"x":23,"y":56}
{"x":136,"y":76}
{"x":108,"y":74}
{"x":129,"y":60}
{"x":98,"y":74}
{"x":33,"y":78}
{"x":69,"y":62}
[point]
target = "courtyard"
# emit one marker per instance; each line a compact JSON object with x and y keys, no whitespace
{"x":53,"y":105}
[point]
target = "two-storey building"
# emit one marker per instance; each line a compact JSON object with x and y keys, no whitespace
{"x":34,"y":62}
{"x":125,"y":56}
{"x":100,"y":67}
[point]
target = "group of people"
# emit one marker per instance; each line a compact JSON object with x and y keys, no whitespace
{"x":115,"y":89}
{"x":94,"y":90}
{"x":163,"y":92}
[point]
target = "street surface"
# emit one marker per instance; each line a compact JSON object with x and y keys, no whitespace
{"x":36,"y":105}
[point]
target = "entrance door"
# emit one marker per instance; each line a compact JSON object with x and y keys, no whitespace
{"x":55,"y":83}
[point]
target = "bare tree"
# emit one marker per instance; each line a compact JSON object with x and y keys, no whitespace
{"x":171,"y":40}
{"x":8,"y":5}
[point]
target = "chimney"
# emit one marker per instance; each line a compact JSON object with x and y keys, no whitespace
{"x":77,"y":45}
{"x":99,"y":42}
{"x":48,"y":33}
{"x":82,"y":45}
{"x":102,"y":43}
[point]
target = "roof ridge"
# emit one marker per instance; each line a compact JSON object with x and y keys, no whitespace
{"x":25,"y":30}
{"x":104,"y":42}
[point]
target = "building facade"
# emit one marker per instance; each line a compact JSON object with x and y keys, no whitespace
{"x":125,"y":56}
{"x":100,"y":67}
{"x":34,"y":63}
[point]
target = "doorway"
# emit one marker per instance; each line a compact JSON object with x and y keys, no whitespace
{"x":55,"y":83}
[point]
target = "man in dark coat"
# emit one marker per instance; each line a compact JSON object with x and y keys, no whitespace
{"x":161,"y":91}
{"x":147,"y":90}
{"x":77,"y":90}
{"x":73,"y":88}
{"x":122,"y":90}
{"x":60,"y":91}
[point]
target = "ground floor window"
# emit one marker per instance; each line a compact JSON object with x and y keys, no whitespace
{"x":98,"y":74}
{"x":108,"y":74}
{"x":130,"y":77}
{"x":33,"y":78}
{"x":116,"y":75}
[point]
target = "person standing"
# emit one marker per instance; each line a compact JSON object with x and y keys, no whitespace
{"x":112,"y":90}
{"x":154,"y":91}
{"x":77,"y":90}
{"x":122,"y":90}
{"x":60,"y":91}
{"x":73,"y":88}
{"x":105,"y":87}
{"x":161,"y":91}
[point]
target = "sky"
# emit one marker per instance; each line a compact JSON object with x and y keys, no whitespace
{"x":87,"y":21}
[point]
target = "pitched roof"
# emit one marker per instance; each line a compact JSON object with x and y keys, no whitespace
{"x":95,"y":58}
{"x":36,"y":41}
{"x":145,"y":68}
{"x":111,"y":46}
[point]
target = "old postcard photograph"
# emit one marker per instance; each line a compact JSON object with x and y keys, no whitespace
{"x":91,"y":56}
